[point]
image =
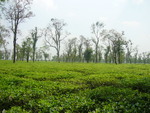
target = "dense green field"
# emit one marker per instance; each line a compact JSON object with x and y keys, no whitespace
{"x":47,"y":87}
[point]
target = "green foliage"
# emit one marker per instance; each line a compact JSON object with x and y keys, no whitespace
{"x":88,"y":54}
{"x":74,"y":88}
{"x":17,"y":110}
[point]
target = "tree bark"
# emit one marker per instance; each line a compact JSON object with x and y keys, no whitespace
{"x":14,"y":44}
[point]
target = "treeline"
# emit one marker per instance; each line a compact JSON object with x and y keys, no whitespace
{"x":113,"y":50}
{"x":109,"y":46}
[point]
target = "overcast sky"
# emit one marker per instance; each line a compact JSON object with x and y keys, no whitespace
{"x":131,"y":16}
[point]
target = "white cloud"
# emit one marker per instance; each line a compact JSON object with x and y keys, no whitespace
{"x":131,"y":23}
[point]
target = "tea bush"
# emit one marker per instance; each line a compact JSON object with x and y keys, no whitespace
{"x":47,"y":87}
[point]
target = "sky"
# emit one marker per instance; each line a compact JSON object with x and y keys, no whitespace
{"x":130,"y":16}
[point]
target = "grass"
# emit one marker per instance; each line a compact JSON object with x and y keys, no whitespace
{"x":47,"y":87}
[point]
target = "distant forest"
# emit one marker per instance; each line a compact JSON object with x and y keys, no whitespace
{"x":107,"y":46}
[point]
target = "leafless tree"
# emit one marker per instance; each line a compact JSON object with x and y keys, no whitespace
{"x":96,"y":30}
{"x":54,"y":35}
{"x":15,"y":12}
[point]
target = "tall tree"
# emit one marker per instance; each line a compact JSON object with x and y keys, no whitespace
{"x":80,"y":47}
{"x":54,"y":35}
{"x":108,"y":48}
{"x":35,"y":36}
{"x":130,"y":49}
{"x":117,"y":44}
{"x":23,"y":50}
{"x":71,"y":49}
{"x":15,"y":13}
{"x":28,"y":47}
{"x":88,"y":50}
{"x":96,"y":30}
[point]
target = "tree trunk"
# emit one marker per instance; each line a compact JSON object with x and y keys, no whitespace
{"x":14,"y":52}
{"x":115,"y":58}
{"x":119,"y":56}
{"x":33,"y":55}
